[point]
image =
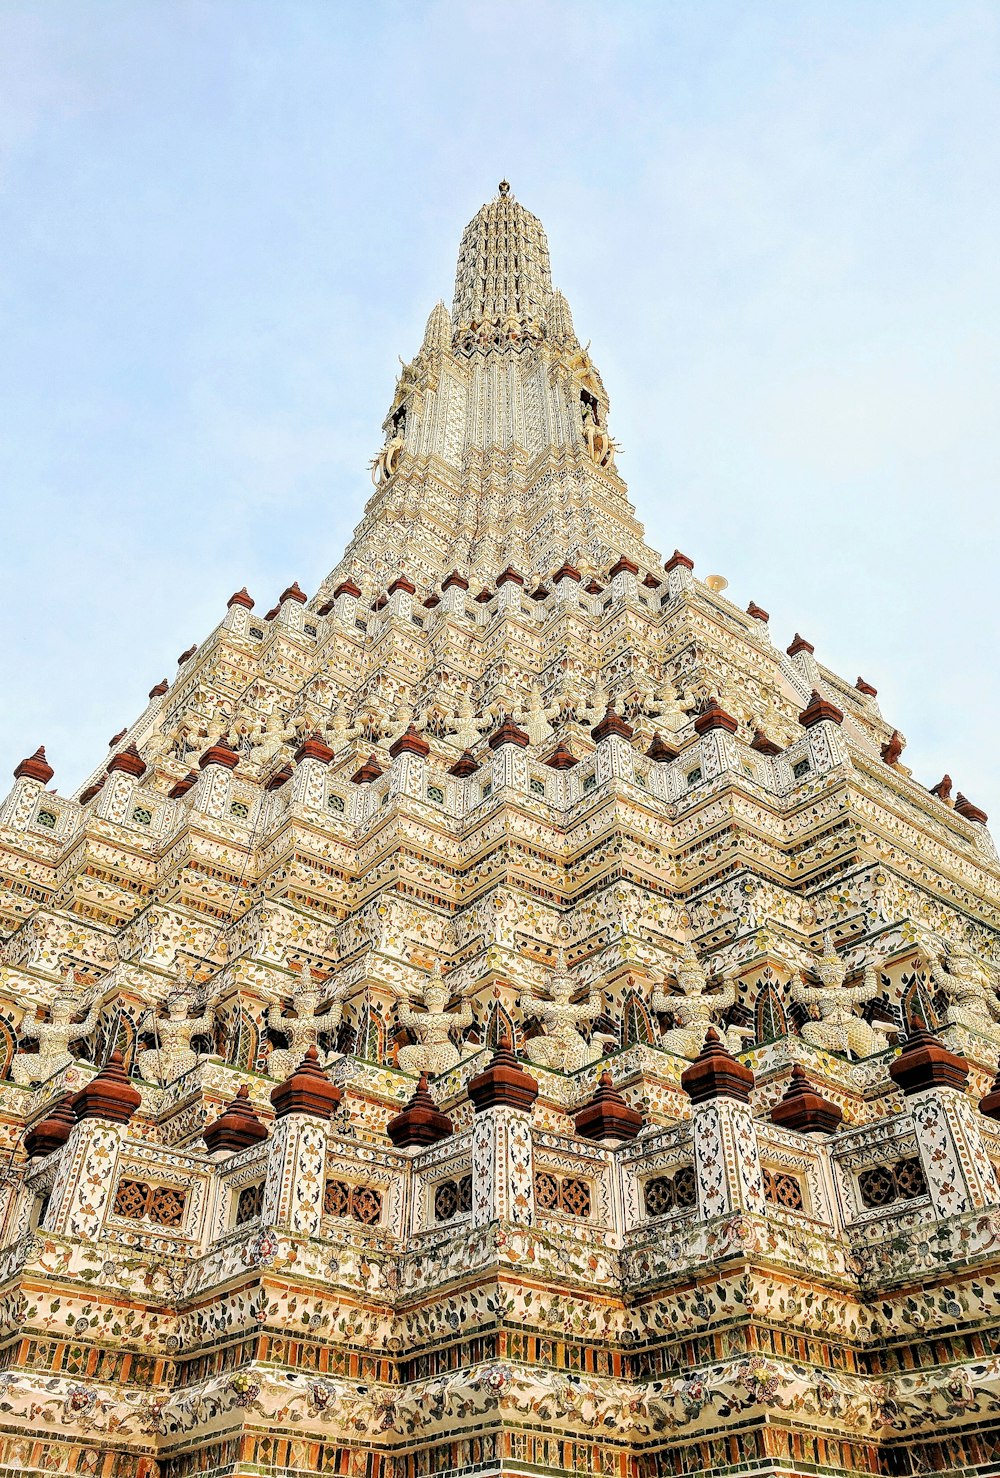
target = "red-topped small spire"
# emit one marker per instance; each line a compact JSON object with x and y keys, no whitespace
{"x":366,"y":773}
{"x":314,"y":747}
{"x":35,"y":767}
{"x":504,"y":1083}
{"x":293,"y":593}
{"x":804,"y":1109}
{"x":307,"y":1090}
{"x":129,"y":761}
{"x":714,"y":716}
{"x":236,"y":1127}
{"x":611,"y":723}
{"x":240,"y":597}
{"x":111,"y":1095}
{"x":716,"y":1073}
{"x":410,"y":742}
{"x":421,"y":1121}
{"x":819,"y":710}
{"x":606,"y":1115}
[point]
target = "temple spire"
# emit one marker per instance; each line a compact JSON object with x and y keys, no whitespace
{"x":503,"y":268}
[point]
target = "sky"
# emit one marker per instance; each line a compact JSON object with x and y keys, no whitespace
{"x":777,"y":223}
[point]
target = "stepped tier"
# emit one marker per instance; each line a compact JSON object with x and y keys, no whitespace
{"x":509,"y":800}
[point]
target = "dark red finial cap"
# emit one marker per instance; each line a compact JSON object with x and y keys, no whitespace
{"x":88,"y":795}
{"x":509,"y":576}
{"x":818,"y":711}
{"x":240,"y":598}
{"x":307,"y":1090}
{"x":314,"y":748}
{"x":421,"y":1122}
{"x":219,"y":754}
{"x":592,"y":587}
{"x":716,"y":1073}
{"x":508,"y":733}
{"x":714,"y":716}
{"x":611,"y":723}
{"x":866,"y":688}
{"x":758,"y":612}
{"x":455,"y":579}
{"x":52,"y":1132}
{"x":182,"y":787}
{"x":129,"y":761}
{"x":660,"y":752}
{"x":623,"y":567}
{"x":504,"y":1083}
{"x":236,"y":1127}
{"x":567,"y":572}
{"x":561,"y":758}
{"x":804,"y":1109}
{"x":293,"y":593}
{"x":606,"y":1115}
{"x":346,"y":587}
{"x":366,"y":773}
{"x":35,"y":767}
{"x":402,"y":583}
{"x":763,"y":745}
{"x":465,"y":765}
{"x":678,"y":561}
{"x":964,"y":807}
{"x":943,"y":788}
{"x":799,"y":644}
{"x":279,"y":778}
{"x":925,"y":1062}
{"x":111,"y":1095}
{"x":410,"y":743}
{"x":182,"y":659}
{"x":159,"y":690}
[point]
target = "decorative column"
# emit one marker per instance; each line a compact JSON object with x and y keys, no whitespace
{"x":726,"y":1156}
{"x":821,"y":721}
{"x":503,"y":1176}
{"x":614,"y":758}
{"x":624,"y":582}
{"x":364,"y":797}
{"x":408,"y":771}
{"x":309,"y":779}
{"x":124,"y":771}
{"x":88,"y":1166}
{"x":956,"y":1167}
{"x":296,"y":1166}
{"x":453,"y":589}
{"x":562,"y":760}
{"x":509,"y":587}
{"x":401,"y":593}
{"x":719,"y":750}
{"x":211,"y":793}
{"x":662,"y":754}
{"x":238,"y":608}
{"x":30,"y":779}
{"x":345,"y":602}
{"x":566,"y":582}
{"x":510,"y":764}
{"x":803,"y":660}
{"x":680,"y":575}
{"x":461,"y":787}
{"x":290,"y":608}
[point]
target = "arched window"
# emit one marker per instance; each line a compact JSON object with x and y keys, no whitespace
{"x":369,"y":1039}
{"x":8,"y":1046}
{"x":244,"y":1042}
{"x":917,"y":1005}
{"x":636,"y":1020}
{"x":116,"y":1033}
{"x":769,"y":1017}
{"x":500,"y":1024}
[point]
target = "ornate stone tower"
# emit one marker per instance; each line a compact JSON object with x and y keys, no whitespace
{"x":501,"y":1013}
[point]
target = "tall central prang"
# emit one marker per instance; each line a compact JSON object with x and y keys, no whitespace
{"x":500,"y":1013}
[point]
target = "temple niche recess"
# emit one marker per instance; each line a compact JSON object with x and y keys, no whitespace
{"x":500,"y":1013}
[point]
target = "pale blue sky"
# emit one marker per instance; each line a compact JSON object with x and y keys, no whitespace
{"x":220,"y":223}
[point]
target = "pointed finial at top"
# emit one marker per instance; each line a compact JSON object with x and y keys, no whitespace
{"x":504,"y":187}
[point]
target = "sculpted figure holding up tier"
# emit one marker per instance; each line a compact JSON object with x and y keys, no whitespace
{"x":434,"y":1052}
{"x":970,"y":985}
{"x":175,"y":1056}
{"x":53,"y":1037}
{"x":562,"y":1046}
{"x":838,"y":1027}
{"x":304,"y":1029}
{"x":696,"y":1007}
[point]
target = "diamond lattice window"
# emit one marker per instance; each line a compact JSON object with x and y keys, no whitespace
{"x":139,"y":1201}
{"x":664,"y":1194}
{"x":249,"y":1203}
{"x":452,"y":1198}
{"x":783,"y":1190}
{"x":883,"y":1184}
{"x":570,"y":1194}
{"x":361,"y":1202}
